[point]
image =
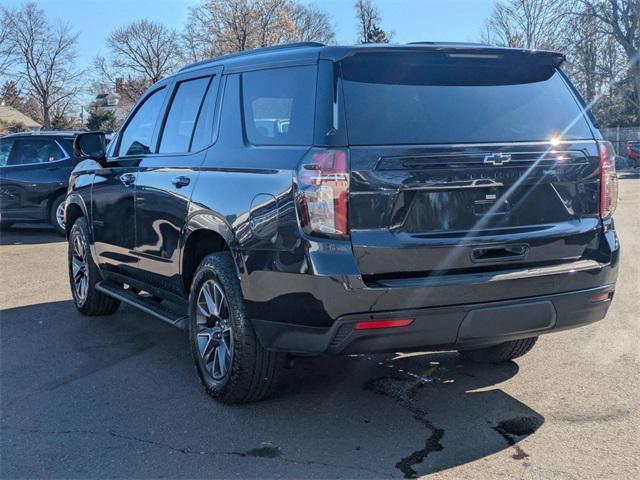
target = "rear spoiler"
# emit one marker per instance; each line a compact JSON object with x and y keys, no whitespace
{"x":453,"y":50}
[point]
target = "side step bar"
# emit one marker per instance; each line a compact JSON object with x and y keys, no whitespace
{"x":145,"y":304}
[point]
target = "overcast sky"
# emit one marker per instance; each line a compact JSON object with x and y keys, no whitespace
{"x":411,"y":20}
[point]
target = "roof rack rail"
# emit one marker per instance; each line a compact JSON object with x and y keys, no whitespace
{"x":48,"y":132}
{"x":255,"y":51}
{"x":462,"y":44}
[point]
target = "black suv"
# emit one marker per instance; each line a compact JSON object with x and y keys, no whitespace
{"x":309,"y":199}
{"x":34,"y":174}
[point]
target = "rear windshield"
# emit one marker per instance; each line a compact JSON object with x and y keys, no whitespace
{"x":413,"y":98}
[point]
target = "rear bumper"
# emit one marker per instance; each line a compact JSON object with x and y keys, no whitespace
{"x":443,"y":328}
{"x":313,"y":308}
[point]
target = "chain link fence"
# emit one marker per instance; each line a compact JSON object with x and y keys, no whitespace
{"x":619,"y":136}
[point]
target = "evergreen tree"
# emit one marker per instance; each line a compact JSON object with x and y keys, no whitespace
{"x":101,"y":120}
{"x":11,"y":96}
{"x":369,"y":29}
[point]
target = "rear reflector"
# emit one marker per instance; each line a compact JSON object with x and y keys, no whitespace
{"x":373,"y":324}
{"x":601,"y":297}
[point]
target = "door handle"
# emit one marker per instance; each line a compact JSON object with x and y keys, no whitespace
{"x":180,"y":181}
{"x":128,"y":178}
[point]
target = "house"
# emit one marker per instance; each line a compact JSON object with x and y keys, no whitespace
{"x":114,"y":100}
{"x":10,"y":119}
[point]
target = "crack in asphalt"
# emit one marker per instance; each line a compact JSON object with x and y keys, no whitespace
{"x":398,"y":390}
{"x":265,"y":450}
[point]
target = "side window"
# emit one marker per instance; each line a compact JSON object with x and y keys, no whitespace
{"x":136,"y":137}
{"x":178,"y":128}
{"x":6,"y":145}
{"x":203,"y":134}
{"x":35,"y":150}
{"x":279,"y":105}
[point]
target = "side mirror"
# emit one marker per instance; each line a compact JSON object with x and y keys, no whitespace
{"x":92,"y":145}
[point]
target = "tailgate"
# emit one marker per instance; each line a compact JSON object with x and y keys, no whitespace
{"x":440,"y":209}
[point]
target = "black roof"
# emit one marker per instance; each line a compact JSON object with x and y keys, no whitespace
{"x":312,"y":51}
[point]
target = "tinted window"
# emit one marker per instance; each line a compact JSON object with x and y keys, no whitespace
{"x":35,"y":150}
{"x":279,"y":105}
{"x":136,"y":137}
{"x":203,"y":134}
{"x":425,"y":98}
{"x":184,"y":109}
{"x":5,"y":150}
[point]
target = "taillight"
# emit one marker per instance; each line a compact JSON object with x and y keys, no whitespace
{"x":608,"y":180}
{"x":323,"y":191}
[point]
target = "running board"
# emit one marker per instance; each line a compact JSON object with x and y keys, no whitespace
{"x":145,"y":304}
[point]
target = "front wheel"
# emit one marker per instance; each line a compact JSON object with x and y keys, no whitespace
{"x":502,"y":352}
{"x":231,"y":363}
{"x":84,"y":274}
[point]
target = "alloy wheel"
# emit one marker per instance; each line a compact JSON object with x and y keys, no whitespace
{"x":60,"y":215}
{"x":214,"y":335}
{"x":79,"y":270}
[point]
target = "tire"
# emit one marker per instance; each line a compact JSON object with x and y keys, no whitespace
{"x":54,"y":215}
{"x":502,"y":352}
{"x":221,"y":336}
{"x":84,"y":274}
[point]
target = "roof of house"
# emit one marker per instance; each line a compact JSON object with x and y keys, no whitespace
{"x":11,"y":115}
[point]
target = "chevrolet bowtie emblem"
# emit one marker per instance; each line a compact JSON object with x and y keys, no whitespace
{"x":497,"y":158}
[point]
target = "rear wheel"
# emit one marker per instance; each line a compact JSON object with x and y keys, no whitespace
{"x":56,"y":214}
{"x":231,"y":363}
{"x":84,"y":274}
{"x":502,"y":352}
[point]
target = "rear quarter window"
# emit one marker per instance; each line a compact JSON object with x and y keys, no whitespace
{"x":279,"y":105}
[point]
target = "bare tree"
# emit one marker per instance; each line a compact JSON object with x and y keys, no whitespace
{"x":217,"y":27}
{"x":621,"y":20}
{"x":44,"y":57}
{"x":369,"y":20}
{"x":311,"y":25}
{"x":583,"y":45}
{"x":525,"y":24}
{"x":5,"y":42}
{"x":142,"y":51}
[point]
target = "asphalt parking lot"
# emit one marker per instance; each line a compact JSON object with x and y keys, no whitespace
{"x":118,"y":396}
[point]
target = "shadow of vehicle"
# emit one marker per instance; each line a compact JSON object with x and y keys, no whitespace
{"x":29,"y":235}
{"x":438,"y":391}
{"x":120,"y":394}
